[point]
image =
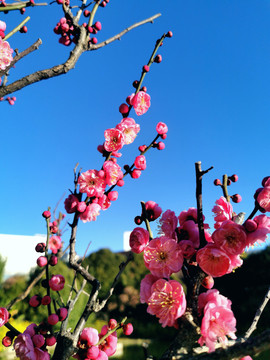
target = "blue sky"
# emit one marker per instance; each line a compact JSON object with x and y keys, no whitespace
{"x":211,"y":89}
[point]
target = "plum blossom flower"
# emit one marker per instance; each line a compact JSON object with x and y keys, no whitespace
{"x":91,"y":183}
{"x":145,"y":287}
{"x":114,"y":140}
{"x":140,"y":102}
{"x":55,"y":243}
{"x":189,"y":231}
{"x":129,"y":129}
{"x":163,"y":257}
{"x":91,"y":212}
{"x":167,"y":301}
{"x":261,"y":227}
{"x":113,"y":172}
{"x":218,"y":321}
{"x":88,"y":337}
{"x":230,"y":237}
{"x":4,"y":316}
{"x":108,"y":345}
{"x":213,"y":261}
{"x":57,"y":282}
{"x":140,"y":162}
{"x":71,"y":203}
{"x":24,"y":347}
{"x":5,"y":54}
{"x":153,"y":211}
{"x":162,"y":128}
{"x":168,"y":224}
{"x":263,"y":198}
{"x":223,"y":211}
{"x":138,"y":240}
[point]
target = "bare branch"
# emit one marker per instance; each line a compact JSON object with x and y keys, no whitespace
{"x":118,"y":36}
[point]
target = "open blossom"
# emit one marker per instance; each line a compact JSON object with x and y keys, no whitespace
{"x":24,"y":347}
{"x":113,"y":172}
{"x":91,"y":183}
{"x":258,"y":232}
{"x":168,"y":224}
{"x":91,"y":212}
{"x":108,"y":346}
{"x":55,"y":243}
{"x":213,"y":261}
{"x":57,"y":282}
{"x":88,"y":337}
{"x":263,"y":198}
{"x":223,"y":211}
{"x":138,"y":240}
{"x":153,"y":211}
{"x":114,"y":140}
{"x":145,"y":287}
{"x":189,"y":231}
{"x":162,"y":128}
{"x":140,"y":102}
{"x":230,"y":237}
{"x":4,"y":315}
{"x":218,"y":319}
{"x":167,"y":301}
{"x":5,"y":54}
{"x":129,"y":129}
{"x":163,"y":257}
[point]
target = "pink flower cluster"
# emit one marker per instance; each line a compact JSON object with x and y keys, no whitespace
{"x":89,"y":347}
{"x":5,"y":54}
{"x":28,"y":344}
{"x":218,"y":320}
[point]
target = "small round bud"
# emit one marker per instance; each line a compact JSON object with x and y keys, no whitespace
{"x":135,"y":84}
{"x":158,"y":59}
{"x":146,"y":68}
{"x":35,"y":301}
{"x":103,"y":4}
{"x":120,"y":183}
{"x":236,"y":198}
{"x":250,"y":225}
{"x":81,"y":206}
{"x":94,"y":40}
{"x":100,"y":148}
{"x":217,"y":182}
{"x":86,"y":13}
{"x":161,"y":145}
{"x":46,"y":214}
{"x":42,"y":261}
{"x":22,"y":11}
{"x":46,"y":300}
{"x":128,"y":100}
{"x":112,"y":324}
{"x":123,"y":108}
{"x":23,"y":29}
{"x":208,"y":282}
{"x":62,"y":313}
{"x":169,"y":34}
{"x":126,"y":167}
{"x":38,"y":340}
{"x":128,"y":329}
{"x":234,"y":178}
{"x":53,"y":319}
{"x":163,"y":136}
{"x":142,"y":148}
{"x":90,"y":29}
{"x":144,"y":89}
{"x":7,"y":341}
{"x":229,"y":182}
{"x":53,"y":260}
{"x":138,"y":220}
{"x":113,"y":195}
{"x":135,"y":174}
{"x":40,"y":247}
{"x":264,"y":180}
{"x":98,"y":25}
{"x":50,"y":340}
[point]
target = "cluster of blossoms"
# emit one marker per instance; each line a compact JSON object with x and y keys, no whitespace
{"x":5,"y":49}
{"x":100,"y":346}
{"x":179,"y":243}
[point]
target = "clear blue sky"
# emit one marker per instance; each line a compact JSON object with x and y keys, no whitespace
{"x":212,"y":89}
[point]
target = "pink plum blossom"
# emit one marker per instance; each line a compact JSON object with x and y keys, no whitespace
{"x":145,"y":287}
{"x":168,"y":224}
{"x":4,"y":316}
{"x":190,"y":231}
{"x":163,"y":257}
{"x":259,"y":231}
{"x":223,"y":211}
{"x":114,"y":140}
{"x":24,"y":347}
{"x":167,"y":301}
{"x":190,"y":214}
{"x":57,"y":282}
{"x":113,"y":172}
{"x":40,"y":354}
{"x":88,"y":337}
{"x":129,"y":129}
{"x":161,"y":128}
{"x":104,"y":202}
{"x":55,"y":243}
{"x":138,"y":240}
{"x":218,"y":319}
{"x":187,"y":248}
{"x":213,"y":261}
{"x":71,"y":203}
{"x":153,"y":211}
{"x":140,"y":102}
{"x":140,"y":162}
{"x":263,"y":198}
{"x":108,"y":345}
{"x":3,"y":26}
{"x":230,"y":237}
{"x":5,"y":54}
{"x":91,"y":183}
{"x":91,"y":212}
